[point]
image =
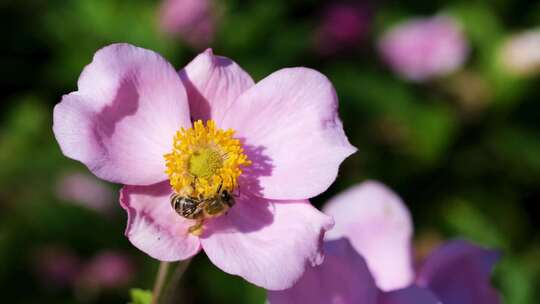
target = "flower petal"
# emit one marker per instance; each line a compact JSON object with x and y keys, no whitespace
{"x":267,"y":243}
{"x":213,"y":83}
{"x":459,"y":272}
{"x":343,"y":278}
{"x":289,"y":120}
{"x":123,"y":118}
{"x":410,"y":295}
{"x":154,"y":227}
{"x":380,"y":229}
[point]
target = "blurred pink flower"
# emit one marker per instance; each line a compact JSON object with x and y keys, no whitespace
{"x":56,"y":266}
{"x":127,"y":113}
{"x":193,"y":20}
{"x":107,"y":270}
{"x":368,"y":259}
{"x":342,"y":26}
{"x":420,"y":49}
{"x":85,"y":190}
{"x":379,"y":227}
{"x":520,"y":54}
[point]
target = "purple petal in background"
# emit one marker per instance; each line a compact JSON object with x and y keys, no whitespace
{"x":459,"y":272}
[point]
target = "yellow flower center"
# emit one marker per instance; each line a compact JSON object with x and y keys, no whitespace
{"x":205,"y":159}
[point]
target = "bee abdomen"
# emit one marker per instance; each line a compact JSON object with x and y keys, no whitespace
{"x":186,"y":207}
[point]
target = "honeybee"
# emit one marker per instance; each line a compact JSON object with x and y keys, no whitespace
{"x":194,"y":208}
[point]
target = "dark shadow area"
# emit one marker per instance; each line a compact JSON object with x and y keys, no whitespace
{"x":124,"y":104}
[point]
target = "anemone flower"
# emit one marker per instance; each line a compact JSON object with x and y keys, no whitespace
{"x":376,"y":266}
{"x":205,"y":134}
{"x":420,"y":49}
{"x":379,"y":226}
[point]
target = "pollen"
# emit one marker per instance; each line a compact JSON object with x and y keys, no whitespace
{"x":204,"y":160}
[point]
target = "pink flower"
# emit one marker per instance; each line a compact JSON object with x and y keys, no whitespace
{"x":379,"y":227}
{"x":271,"y":145}
{"x":368,"y":259}
{"x":193,"y":20}
{"x":85,"y":190}
{"x":108,"y":270}
{"x":61,"y":267}
{"x":420,"y":49}
{"x":342,"y":26}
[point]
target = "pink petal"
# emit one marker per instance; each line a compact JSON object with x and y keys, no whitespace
{"x":123,"y":118}
{"x":213,"y":83}
{"x":380,"y":229}
{"x":459,"y":273}
{"x":153,"y":226}
{"x":343,"y":278}
{"x":268,"y":243}
{"x":292,"y":132}
{"x":409,"y":295}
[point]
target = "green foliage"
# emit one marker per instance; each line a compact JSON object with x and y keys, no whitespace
{"x":94,"y":24}
{"x":140,"y":296}
{"x":425,"y":127}
{"x":466,"y":219}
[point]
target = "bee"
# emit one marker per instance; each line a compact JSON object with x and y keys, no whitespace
{"x":199,"y":209}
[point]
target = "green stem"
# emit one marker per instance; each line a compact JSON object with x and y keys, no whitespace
{"x":175,"y":279}
{"x":160,"y":281}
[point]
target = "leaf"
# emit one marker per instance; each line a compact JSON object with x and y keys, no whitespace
{"x":467,"y":218}
{"x":140,"y":296}
{"x":424,"y":127}
{"x":515,"y":277}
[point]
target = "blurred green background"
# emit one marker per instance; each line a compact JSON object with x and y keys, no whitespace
{"x":466,"y":167}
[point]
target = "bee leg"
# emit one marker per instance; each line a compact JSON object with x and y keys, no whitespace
{"x":197,"y":228}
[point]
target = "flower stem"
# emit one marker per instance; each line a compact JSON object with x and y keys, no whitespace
{"x":175,"y":279}
{"x":160,"y":281}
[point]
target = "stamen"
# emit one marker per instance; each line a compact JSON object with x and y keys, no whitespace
{"x":205,"y":159}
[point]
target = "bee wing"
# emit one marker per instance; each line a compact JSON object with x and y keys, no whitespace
{"x":202,"y":204}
